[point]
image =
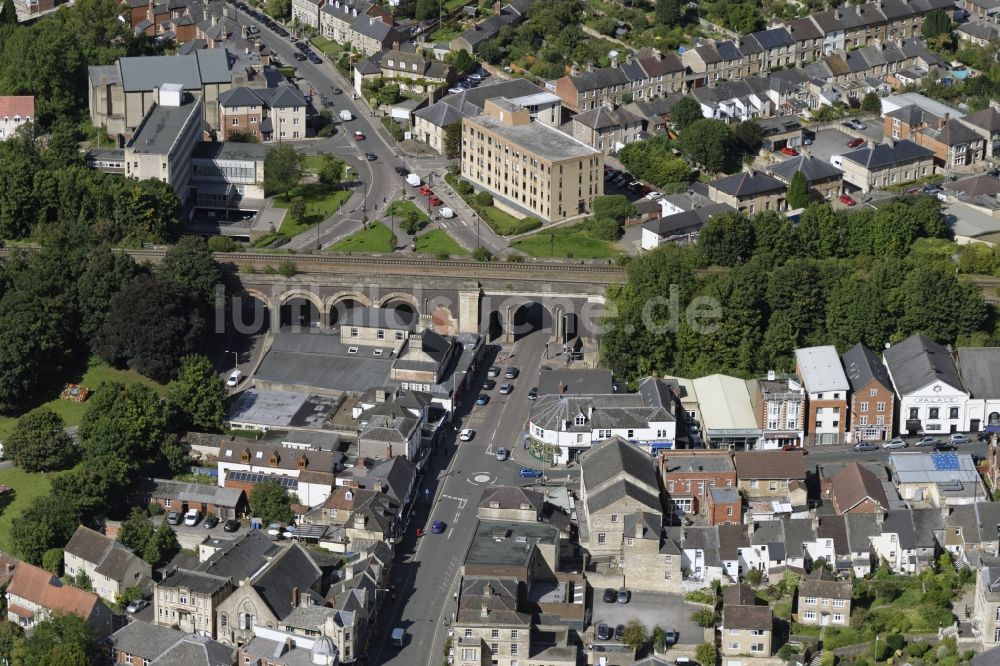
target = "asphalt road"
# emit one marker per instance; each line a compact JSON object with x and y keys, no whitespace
{"x":379,"y":183}
{"x":426,"y":570}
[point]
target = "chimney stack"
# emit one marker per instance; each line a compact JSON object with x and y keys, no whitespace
{"x":295,"y":596}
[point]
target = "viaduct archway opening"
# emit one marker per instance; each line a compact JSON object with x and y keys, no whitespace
{"x":528,"y":318}
{"x":250,"y":314}
{"x":299,"y":311}
{"x":340,"y":309}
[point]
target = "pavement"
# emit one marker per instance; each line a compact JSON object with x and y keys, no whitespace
{"x":379,"y":183}
{"x":426,"y":569}
{"x":668,"y":611}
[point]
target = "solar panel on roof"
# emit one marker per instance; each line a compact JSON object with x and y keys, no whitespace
{"x":945,"y":462}
{"x":253,"y":477}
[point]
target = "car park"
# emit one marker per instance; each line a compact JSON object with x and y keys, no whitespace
{"x":530,"y":473}
{"x":231,"y":525}
{"x":960,"y":439}
{"x":192,"y":517}
{"x":506,"y":389}
{"x":847,"y":200}
{"x":896,"y":443}
{"x":501,"y":454}
{"x":466,"y":435}
{"x":927,"y":441}
{"x":234,"y":378}
{"x":482,"y":399}
{"x":865,"y":446}
{"x":604,"y":632}
{"x":211,"y":522}
{"x":136,"y":606}
{"x":512,"y":373}
{"x":174,"y":518}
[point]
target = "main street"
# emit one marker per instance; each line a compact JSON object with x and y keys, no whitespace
{"x":426,"y":570}
{"x":379,"y":183}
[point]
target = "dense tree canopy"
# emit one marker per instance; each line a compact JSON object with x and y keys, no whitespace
{"x":39,"y":442}
{"x":798,"y":191}
{"x":198,"y":394}
{"x":709,"y":143}
{"x":62,"y":639}
{"x":270,"y":502}
{"x":125,"y":422}
{"x":48,"y":522}
{"x":652,"y":160}
{"x":282,"y":169}
{"x":686,"y":111}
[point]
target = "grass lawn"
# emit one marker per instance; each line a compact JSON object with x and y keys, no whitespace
{"x":71,"y":412}
{"x":567,"y":242}
{"x":502,"y":223}
{"x":27,"y":487}
{"x":327,"y":46}
{"x":402,"y":207}
{"x":376,"y":238}
{"x":452,"y":5}
{"x":321,"y":202}
{"x":438,"y":242}
{"x":445,"y":33}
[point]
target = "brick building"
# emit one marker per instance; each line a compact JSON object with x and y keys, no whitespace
{"x":826,"y":384}
{"x":872,"y":396}
{"x":690,"y":474}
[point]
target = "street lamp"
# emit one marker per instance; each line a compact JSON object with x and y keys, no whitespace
{"x":236,"y":358}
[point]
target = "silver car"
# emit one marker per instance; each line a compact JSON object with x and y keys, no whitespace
{"x":501,"y":454}
{"x":897,"y":443}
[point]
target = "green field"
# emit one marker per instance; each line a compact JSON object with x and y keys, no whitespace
{"x":376,"y":238}
{"x":438,"y":242}
{"x":27,"y":487}
{"x":71,"y":412}
{"x":567,"y":242}
{"x":321,"y":202}
{"x":446,"y":33}
{"x":327,"y":46}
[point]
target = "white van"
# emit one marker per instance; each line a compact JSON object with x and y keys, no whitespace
{"x":346,"y":115}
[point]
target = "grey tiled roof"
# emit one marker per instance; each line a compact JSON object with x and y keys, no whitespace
{"x":813,"y":168}
{"x":747,"y":184}
{"x":862,"y":365}
{"x":884,"y":154}
{"x":610,"y":458}
{"x":918,"y":361}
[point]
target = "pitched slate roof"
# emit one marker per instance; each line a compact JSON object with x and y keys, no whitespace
{"x":732,"y":538}
{"x":824,"y":585}
{"x":599,"y":78}
{"x":511,"y":497}
{"x":292,"y":570}
{"x":862,"y":366}
{"x":980,"y":371}
{"x":747,"y":617}
{"x":612,"y":457}
{"x":954,"y":133}
{"x":769,"y":465}
{"x":917,"y":362}
{"x":884,"y":154}
{"x":197,"y":650}
{"x":803,"y":29}
{"x":604,"y":117}
{"x":748,"y":184}
{"x":987,"y":119}
{"x":860,"y":528}
{"x":813,"y":168}
{"x":853,"y":484}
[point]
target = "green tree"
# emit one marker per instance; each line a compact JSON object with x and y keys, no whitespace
{"x":798,"y":191}
{"x":282,"y":169}
{"x":81,"y":581}
{"x":10,"y":633}
{"x":604,"y":229}
{"x":484,"y":198}
{"x":704,"y":617}
{"x":8,"y":16}
{"x":151,"y":324}
{"x":270,"y":502}
{"x":426,"y":9}
{"x":754,"y":577}
{"x":39,"y":442}
{"x":453,"y":140}
{"x":128,"y":423}
{"x":936,"y":304}
{"x":136,"y":531}
{"x":95,"y":484}
{"x":61,"y":636}
{"x":613,"y":207}
{"x":331,"y":171}
{"x":744,"y":18}
{"x":279,"y":9}
{"x":482,"y":254}
{"x":461,"y":61}
{"x":297,"y":209}
{"x":709,"y":143}
{"x":936,"y":22}
{"x":241,"y":136}
{"x":162,"y":545}
{"x":130,"y":594}
{"x":48,"y":522}
{"x":706,"y":653}
{"x":198,"y":393}
{"x":389,"y":94}
{"x":52,"y":561}
{"x":687,"y":110}
{"x":727,"y":240}
{"x":106,"y":273}
{"x":749,"y":135}
{"x":190,"y":265}
{"x":635,"y":634}
{"x":871,"y":103}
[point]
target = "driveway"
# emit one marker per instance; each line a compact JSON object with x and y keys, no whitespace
{"x":828,"y":142}
{"x":668,"y":611}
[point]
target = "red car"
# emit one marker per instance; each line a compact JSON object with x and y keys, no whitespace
{"x":854,"y":143}
{"x":788,"y":150}
{"x":358,"y":136}
{"x":425,"y":191}
{"x":792,"y":447}
{"x":435,"y":201}
{"x":846,"y":200}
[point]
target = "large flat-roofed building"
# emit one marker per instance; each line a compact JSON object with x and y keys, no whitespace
{"x":536,"y":168}
{"x":162,"y":145}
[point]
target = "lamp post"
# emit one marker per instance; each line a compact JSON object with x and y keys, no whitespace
{"x":236,"y":358}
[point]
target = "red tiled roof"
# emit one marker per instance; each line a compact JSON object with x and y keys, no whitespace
{"x":17,"y":105}
{"x":20,"y":611}
{"x":39,"y":586}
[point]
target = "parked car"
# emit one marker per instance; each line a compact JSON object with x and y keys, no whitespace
{"x":136,"y":606}
{"x":512,"y":373}
{"x":533,"y":393}
{"x":482,"y":399}
{"x":401,"y":171}
{"x":610,"y":596}
{"x":437,"y":527}
{"x":790,"y":447}
{"x":788,"y":150}
{"x":234,"y":378}
{"x":529,"y":473}
{"x":623,"y":595}
{"x":672,"y":636}
{"x":983,"y":435}
{"x":944,"y":447}
{"x":854,"y":143}
{"x":897,"y":443}
{"x":299,"y":57}
{"x":192,"y":517}
{"x":847,"y":200}
{"x":174,"y":518}
{"x":506,"y":389}
{"x":434,"y":200}
{"x":466,"y":435}
{"x":619,"y":632}
{"x":337,"y":91}
{"x":211,"y":522}
{"x":927,"y":441}
{"x":231,"y":525}
{"x":489,"y":385}
{"x":865,"y":446}
{"x":494,"y":371}
{"x":501,"y":454}
{"x":604,"y":632}
{"x":960,"y":439}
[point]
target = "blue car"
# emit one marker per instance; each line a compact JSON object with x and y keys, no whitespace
{"x":529,"y":473}
{"x":437,"y":527}
{"x":482,"y":399}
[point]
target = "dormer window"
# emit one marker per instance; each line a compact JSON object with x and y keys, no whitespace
{"x":273,"y":461}
{"x":303,"y":461}
{"x":390,"y":62}
{"x":245,"y":456}
{"x":580,"y":420}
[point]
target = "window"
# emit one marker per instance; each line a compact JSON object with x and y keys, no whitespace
{"x":729,"y":511}
{"x":756,"y":632}
{"x":495,"y":633}
{"x":352,"y":350}
{"x":513,"y":649}
{"x":399,"y":336}
{"x":380,"y":334}
{"x":863,"y":420}
{"x":757,"y":647}
{"x":602,"y":538}
{"x":183,"y":598}
{"x":468,"y":633}
{"x":839,"y":603}
{"x":754,"y":483}
{"x":166,"y":503}
{"x":734,"y":645}
{"x":914,"y":413}
{"x":873,"y":392}
{"x":864,"y":406}
{"x":810,"y":601}
{"x":953,"y":413}
{"x":513,"y":634}
{"x":880,"y":406}
{"x":810,"y":615}
{"x":495,"y":648}
{"x":734,"y":632}
{"x":580,"y":420}
{"x":932,"y":412}
{"x":354,"y":332}
{"x":614,"y":517}
{"x":469,"y":654}
{"x":772,"y":485}
{"x":630,"y":434}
